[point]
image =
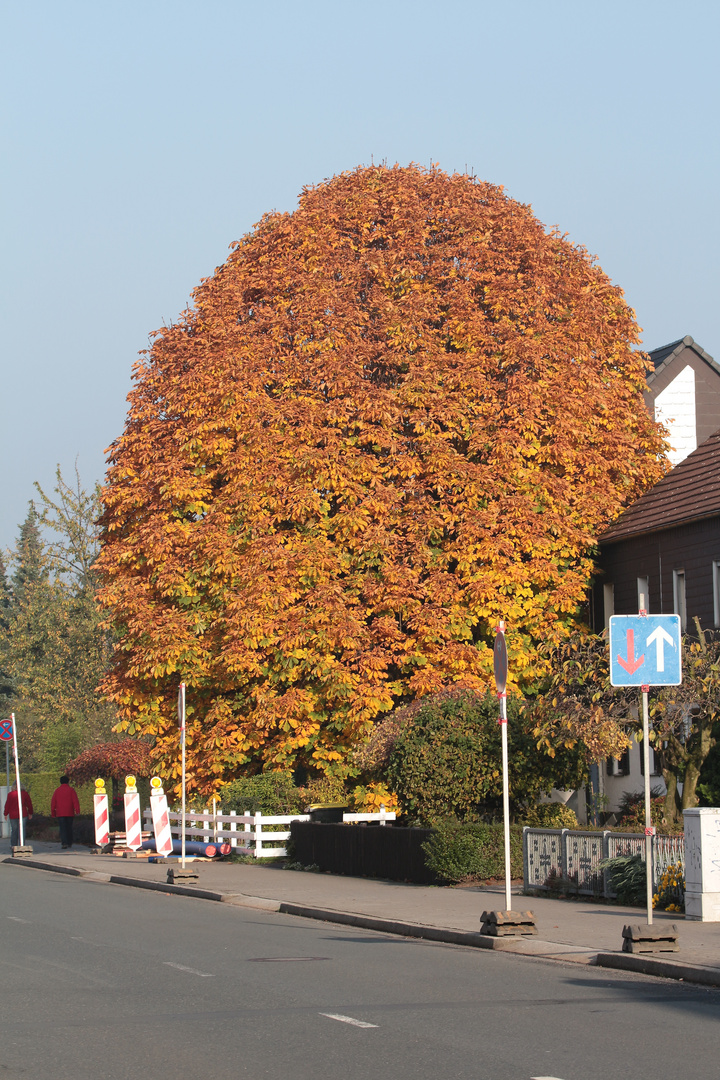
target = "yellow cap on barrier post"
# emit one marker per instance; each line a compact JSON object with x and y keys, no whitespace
{"x":99,"y":786}
{"x":130,"y":787}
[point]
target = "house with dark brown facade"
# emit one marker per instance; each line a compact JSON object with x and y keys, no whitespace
{"x":666,"y":547}
{"x":663,"y":552}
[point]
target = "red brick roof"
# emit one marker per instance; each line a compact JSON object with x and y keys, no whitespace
{"x":689,"y":492}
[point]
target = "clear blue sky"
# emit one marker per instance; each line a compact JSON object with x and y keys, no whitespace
{"x":141,"y":138}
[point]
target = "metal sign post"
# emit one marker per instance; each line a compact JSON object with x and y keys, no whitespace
{"x":181,"y":722}
{"x":649,"y":827}
{"x":6,"y":734}
{"x":500,"y":665}
{"x":645,"y":651}
{"x":18,"y":788}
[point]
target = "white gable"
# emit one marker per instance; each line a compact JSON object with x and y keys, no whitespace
{"x":675,"y":408}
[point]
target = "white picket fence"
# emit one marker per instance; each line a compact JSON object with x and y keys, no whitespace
{"x":257,"y":832}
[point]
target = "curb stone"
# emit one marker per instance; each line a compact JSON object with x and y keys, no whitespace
{"x":666,"y":969}
{"x":391,"y":926}
{"x":642,"y":965}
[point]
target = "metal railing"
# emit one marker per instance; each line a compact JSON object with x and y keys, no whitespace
{"x":564,"y":858}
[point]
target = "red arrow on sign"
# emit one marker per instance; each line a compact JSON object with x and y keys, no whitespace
{"x":631,"y":664}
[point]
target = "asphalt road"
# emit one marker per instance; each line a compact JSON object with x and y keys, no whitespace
{"x":98,"y":981}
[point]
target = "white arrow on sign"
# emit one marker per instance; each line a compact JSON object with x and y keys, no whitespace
{"x":659,"y":637}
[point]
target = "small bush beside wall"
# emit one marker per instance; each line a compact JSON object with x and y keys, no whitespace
{"x":459,"y":851}
{"x":549,"y":816}
{"x":268,"y":793}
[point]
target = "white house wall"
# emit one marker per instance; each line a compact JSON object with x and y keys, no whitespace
{"x":675,"y":408}
{"x":617,"y":786}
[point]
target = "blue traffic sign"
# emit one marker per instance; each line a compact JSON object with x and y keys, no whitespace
{"x":6,"y":730}
{"x":645,"y":650}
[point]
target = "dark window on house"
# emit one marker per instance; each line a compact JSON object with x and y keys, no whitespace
{"x":608,"y":603}
{"x":643,"y":593}
{"x":654,"y":770}
{"x":679,"y":605}
{"x":716,"y":592}
{"x":619,"y":766}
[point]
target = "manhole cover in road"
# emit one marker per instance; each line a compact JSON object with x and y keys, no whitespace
{"x":284,"y":959}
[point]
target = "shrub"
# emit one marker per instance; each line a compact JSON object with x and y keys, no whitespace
{"x":45,"y":828}
{"x":369,"y":798}
{"x":446,"y":761}
{"x":632,"y":811}
{"x":549,"y":816}
{"x":268,"y":793}
{"x":626,"y":874}
{"x":323,"y":789}
{"x":671,"y":890}
{"x":374,"y":754}
{"x":461,"y":851}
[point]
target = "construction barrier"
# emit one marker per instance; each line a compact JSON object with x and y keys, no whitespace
{"x":133,"y":823}
{"x":160,"y":818}
{"x":102,"y":818}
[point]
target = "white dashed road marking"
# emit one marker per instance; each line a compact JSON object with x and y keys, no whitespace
{"x":192,"y":971}
{"x":348,"y":1020}
{"x":14,"y":918}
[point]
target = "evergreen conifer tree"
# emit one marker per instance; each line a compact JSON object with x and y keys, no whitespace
{"x":52,"y":647}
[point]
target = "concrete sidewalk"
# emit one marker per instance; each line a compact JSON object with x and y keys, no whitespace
{"x":571,"y":931}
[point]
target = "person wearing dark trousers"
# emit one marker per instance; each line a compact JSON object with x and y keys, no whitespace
{"x":64,"y":805}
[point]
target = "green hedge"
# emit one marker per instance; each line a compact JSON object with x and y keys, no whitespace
{"x":462,"y":851}
{"x":41,"y":787}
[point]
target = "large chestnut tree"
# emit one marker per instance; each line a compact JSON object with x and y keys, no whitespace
{"x":390,"y":418}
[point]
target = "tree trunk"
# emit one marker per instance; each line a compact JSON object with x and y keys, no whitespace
{"x":690,"y":783}
{"x":671,"y":808}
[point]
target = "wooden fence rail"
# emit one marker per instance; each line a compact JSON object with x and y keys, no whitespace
{"x":259,"y":834}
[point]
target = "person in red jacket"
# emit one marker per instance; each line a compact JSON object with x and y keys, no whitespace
{"x":11,"y":811}
{"x":64,"y":805}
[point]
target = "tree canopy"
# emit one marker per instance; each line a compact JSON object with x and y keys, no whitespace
{"x":579,"y":708}
{"x":391,"y":417}
{"x":113,"y":760}
{"x":53,"y":650}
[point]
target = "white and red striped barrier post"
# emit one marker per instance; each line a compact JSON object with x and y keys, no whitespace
{"x":133,"y":823}
{"x":160,"y":818}
{"x":102,"y":818}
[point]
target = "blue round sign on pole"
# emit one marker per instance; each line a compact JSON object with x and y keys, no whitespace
{"x":6,"y":730}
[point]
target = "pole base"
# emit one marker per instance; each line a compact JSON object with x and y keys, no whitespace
{"x":177,"y":876}
{"x":508,"y":924}
{"x":23,"y":851}
{"x":643,"y":938}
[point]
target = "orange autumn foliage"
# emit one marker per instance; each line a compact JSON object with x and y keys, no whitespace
{"x":390,"y":417}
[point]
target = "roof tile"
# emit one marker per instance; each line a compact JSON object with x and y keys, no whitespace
{"x":689,"y":492}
